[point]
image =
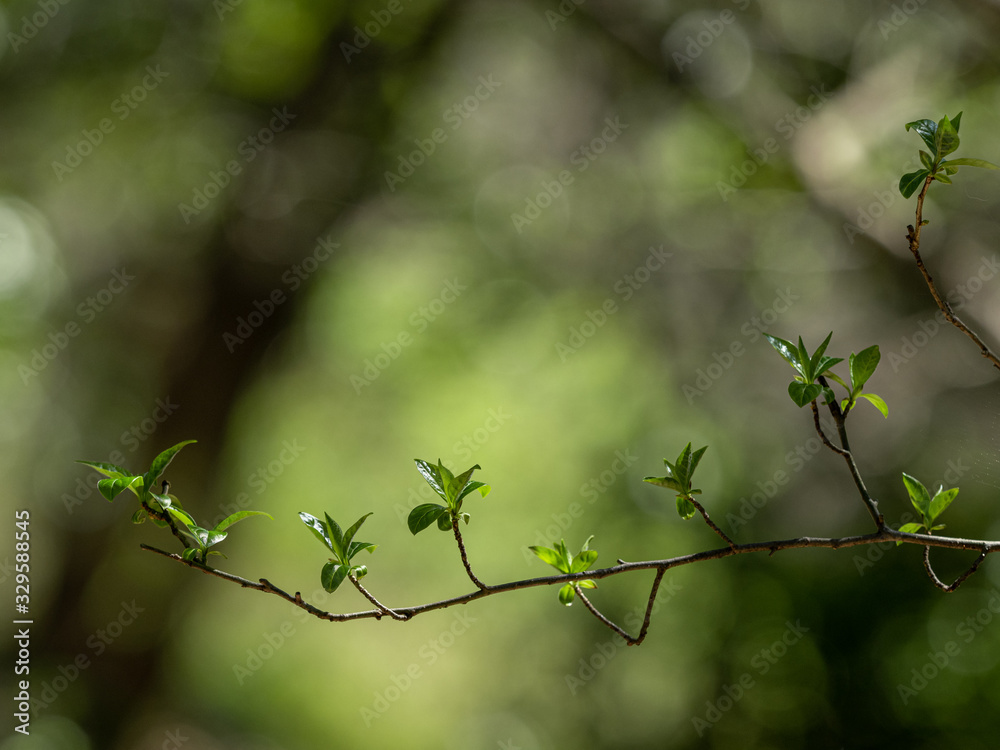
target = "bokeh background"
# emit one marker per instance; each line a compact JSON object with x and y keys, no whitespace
{"x":326,"y":238}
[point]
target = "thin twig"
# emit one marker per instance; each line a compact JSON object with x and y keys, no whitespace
{"x":465,"y":560}
{"x":958,"y":581}
{"x":367,"y":595}
{"x":913,"y":237}
{"x":711,"y":523}
{"x":596,"y":613}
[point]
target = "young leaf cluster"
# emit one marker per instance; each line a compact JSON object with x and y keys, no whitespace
{"x":804,"y":389}
{"x":928,"y":507}
{"x":162,"y":507}
{"x":560,"y":559}
{"x":343,"y":547}
{"x":941,"y":139}
{"x":679,"y":477}
{"x":450,"y":488}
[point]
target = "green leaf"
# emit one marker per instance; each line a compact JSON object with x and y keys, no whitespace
{"x":583,"y":561}
{"x":909,"y":528}
{"x":318,"y":528}
{"x":685,"y":508}
{"x":447,"y":482}
{"x":943,"y":177}
{"x":357,"y":547}
{"x":432,"y":476}
{"x":112,"y":487}
{"x":423,"y":516}
{"x":824,"y":365}
{"x":161,"y":462}
{"x":183,"y":516}
{"x":191,"y":554}
{"x":982,"y":163}
{"x":587,"y":584}
{"x":669,"y":482}
{"x":225,"y":523}
{"x":465,"y":517}
{"x":214,"y":537}
{"x":910,"y":183}
{"x":139,"y":516}
{"x":484,"y":489}
{"x":550,"y":556}
{"x":926,"y":159}
{"x":460,"y":483}
{"x":788,"y":352}
{"x":332,"y":575}
{"x":941,"y":502}
{"x":349,"y":534}
{"x":336,"y":538}
{"x":817,"y":363}
{"x":919,"y":496}
{"x":567,"y":594}
{"x":946,"y":137}
{"x":877,"y":402}
{"x":163,"y":501}
{"x":862,"y":366}
{"x":358,"y":571}
{"x":111,"y":470}
{"x":802,"y":394}
{"x":927,"y":129}
{"x":444,"y":521}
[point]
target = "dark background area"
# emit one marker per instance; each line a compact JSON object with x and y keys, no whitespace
{"x":324,"y":239}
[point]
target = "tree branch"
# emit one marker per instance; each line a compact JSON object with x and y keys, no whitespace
{"x":913,"y":237}
{"x":465,"y":560}
{"x":711,"y":523}
{"x":365,"y":593}
{"x":948,"y":588}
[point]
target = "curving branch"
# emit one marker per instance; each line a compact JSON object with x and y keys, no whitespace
{"x":465,"y":559}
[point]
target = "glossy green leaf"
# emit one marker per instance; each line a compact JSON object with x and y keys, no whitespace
{"x":982,"y":163}
{"x":225,"y":523}
{"x":318,"y":528}
{"x":357,"y":547}
{"x":685,"y":508}
{"x":161,"y":462}
{"x":926,"y":159}
{"x":940,"y":502}
{"x":332,"y":575}
{"x":161,"y":502}
{"x":349,"y":534}
{"x":862,"y":365}
{"x":423,"y":516}
{"x":461,"y":483}
{"x":108,"y":469}
{"x":817,"y":363}
{"x":927,"y":129}
{"x":432,"y":476}
{"x":183,"y":516}
{"x":448,"y":482}
{"x":802,"y":394}
{"x":788,"y":352}
{"x":112,"y":487}
{"x":139,"y":516}
{"x":336,"y":537}
{"x":909,"y":528}
{"x":943,"y":177}
{"x":877,"y":402}
{"x":550,"y":556}
{"x":669,"y":482}
{"x":214,"y":537}
{"x":444,"y":521}
{"x":587,"y":584}
{"x":465,"y":517}
{"x":919,"y":496}
{"x":946,"y":138}
{"x":911,"y":182}
{"x":358,"y":571}
{"x":567,"y":594}
{"x":191,"y":553}
{"x":484,"y":489}
{"x":583,"y":561}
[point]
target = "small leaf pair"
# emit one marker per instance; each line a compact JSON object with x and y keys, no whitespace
{"x":342,"y":545}
{"x":942,"y":139}
{"x":560,"y":559}
{"x":861,"y":367}
{"x":450,"y":488}
{"x":928,"y":507}
{"x":118,"y":479}
{"x":679,"y":477}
